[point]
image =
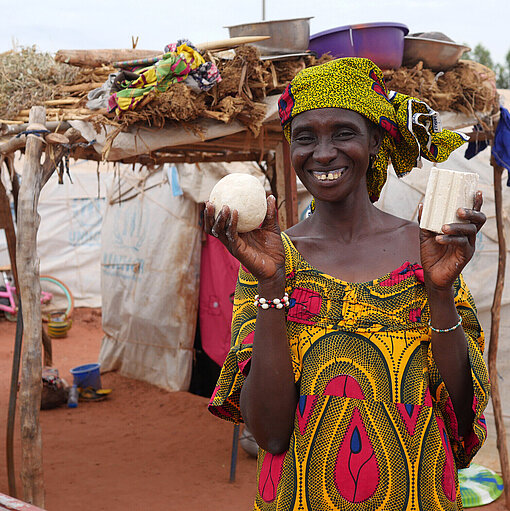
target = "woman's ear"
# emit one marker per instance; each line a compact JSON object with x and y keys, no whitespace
{"x":377,"y":136}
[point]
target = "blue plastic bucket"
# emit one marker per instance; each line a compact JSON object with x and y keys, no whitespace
{"x":87,"y":375}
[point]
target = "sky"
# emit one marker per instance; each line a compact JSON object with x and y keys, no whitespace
{"x":54,"y":24}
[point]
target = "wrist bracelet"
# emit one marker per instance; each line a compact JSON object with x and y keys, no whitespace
{"x":444,"y":330}
{"x":275,"y":303}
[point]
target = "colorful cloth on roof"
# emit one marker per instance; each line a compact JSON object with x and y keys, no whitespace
{"x":205,"y":75}
{"x":412,"y":129}
{"x":174,"y":67}
{"x":374,"y":427}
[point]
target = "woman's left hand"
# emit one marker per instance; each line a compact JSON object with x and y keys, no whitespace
{"x":443,"y":256}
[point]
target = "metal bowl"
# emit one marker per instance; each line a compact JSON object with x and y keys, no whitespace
{"x":287,"y":36}
{"x":435,"y":54}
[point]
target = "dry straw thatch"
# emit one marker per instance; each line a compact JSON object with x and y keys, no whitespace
{"x":29,"y":77}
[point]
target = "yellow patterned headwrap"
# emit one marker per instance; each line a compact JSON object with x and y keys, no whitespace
{"x":411,"y":128}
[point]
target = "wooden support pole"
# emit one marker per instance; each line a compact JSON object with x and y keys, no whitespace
{"x":7,"y":224}
{"x":48,"y":349}
{"x":30,"y":292}
{"x":286,"y":200}
{"x":494,"y":336}
{"x":9,"y":162}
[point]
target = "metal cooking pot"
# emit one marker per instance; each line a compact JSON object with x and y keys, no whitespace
{"x":287,"y":36}
{"x":436,"y":55}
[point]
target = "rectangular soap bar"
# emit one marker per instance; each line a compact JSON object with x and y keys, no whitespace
{"x":447,"y":191}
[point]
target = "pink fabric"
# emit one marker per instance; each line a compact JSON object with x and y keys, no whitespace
{"x":270,"y":475}
{"x":356,"y":472}
{"x":405,"y":271}
{"x":218,"y":276}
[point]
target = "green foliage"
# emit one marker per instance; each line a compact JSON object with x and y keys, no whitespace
{"x":482,"y":55}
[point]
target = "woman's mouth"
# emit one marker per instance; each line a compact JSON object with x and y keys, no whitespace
{"x":328,"y":175}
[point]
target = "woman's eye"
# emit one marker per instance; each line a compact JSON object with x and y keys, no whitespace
{"x":304,"y":139}
{"x":344,"y":134}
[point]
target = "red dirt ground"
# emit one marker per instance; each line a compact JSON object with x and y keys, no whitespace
{"x":141,"y":449}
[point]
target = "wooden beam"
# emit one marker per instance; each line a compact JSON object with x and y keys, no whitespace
{"x":494,"y":336}
{"x":156,"y":159}
{"x":98,"y":58}
{"x":14,"y":129}
{"x":291,"y":202}
{"x":13,"y":144}
{"x":286,"y":200}
{"x":30,"y":293}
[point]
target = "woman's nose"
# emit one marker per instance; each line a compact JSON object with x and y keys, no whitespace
{"x":324,"y":152}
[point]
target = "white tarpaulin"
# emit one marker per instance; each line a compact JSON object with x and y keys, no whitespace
{"x":150,"y":264}
{"x":68,"y":238}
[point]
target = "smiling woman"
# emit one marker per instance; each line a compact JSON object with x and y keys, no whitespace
{"x":356,"y":356}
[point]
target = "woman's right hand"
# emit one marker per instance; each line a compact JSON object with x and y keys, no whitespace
{"x":260,"y":251}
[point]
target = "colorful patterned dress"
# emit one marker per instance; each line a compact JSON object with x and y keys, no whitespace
{"x":374,"y":427}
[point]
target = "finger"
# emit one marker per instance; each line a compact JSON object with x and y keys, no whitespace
{"x":478,"y":201}
{"x":467,"y":230}
{"x":271,"y":220}
{"x":208,"y":217}
{"x":456,"y":229}
{"x":473,"y":216}
{"x":420,"y":211}
{"x":218,"y":229}
{"x":457,"y":241}
{"x":231,"y":229}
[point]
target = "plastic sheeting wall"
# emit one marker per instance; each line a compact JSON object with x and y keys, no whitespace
{"x":69,"y":235}
{"x":150,"y":264}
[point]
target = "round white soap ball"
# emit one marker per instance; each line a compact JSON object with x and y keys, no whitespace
{"x":244,"y":193}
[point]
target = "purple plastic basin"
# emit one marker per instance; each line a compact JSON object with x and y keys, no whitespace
{"x":383,"y":43}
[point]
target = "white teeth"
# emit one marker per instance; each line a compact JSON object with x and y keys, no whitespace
{"x":329,"y":176}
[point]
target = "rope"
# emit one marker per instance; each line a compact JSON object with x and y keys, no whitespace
{"x":64,"y":162}
{"x":37,"y":133}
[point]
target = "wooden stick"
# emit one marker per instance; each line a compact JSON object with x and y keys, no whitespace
{"x":30,"y":292}
{"x":13,"y":144}
{"x":48,"y":349}
{"x":98,"y":58}
{"x":9,"y":162}
{"x":6,"y":129}
{"x":286,"y":199}
{"x":61,"y":110}
{"x":58,"y":117}
{"x":79,"y":87}
{"x":494,"y":336}
{"x":63,"y":101}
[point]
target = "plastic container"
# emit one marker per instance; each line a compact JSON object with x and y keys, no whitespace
{"x":383,"y":43}
{"x":72,"y":399}
{"x":87,"y":375}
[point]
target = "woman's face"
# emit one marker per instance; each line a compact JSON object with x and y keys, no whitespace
{"x":330,"y":151}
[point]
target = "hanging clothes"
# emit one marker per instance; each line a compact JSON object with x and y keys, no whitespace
{"x":218,"y":276}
